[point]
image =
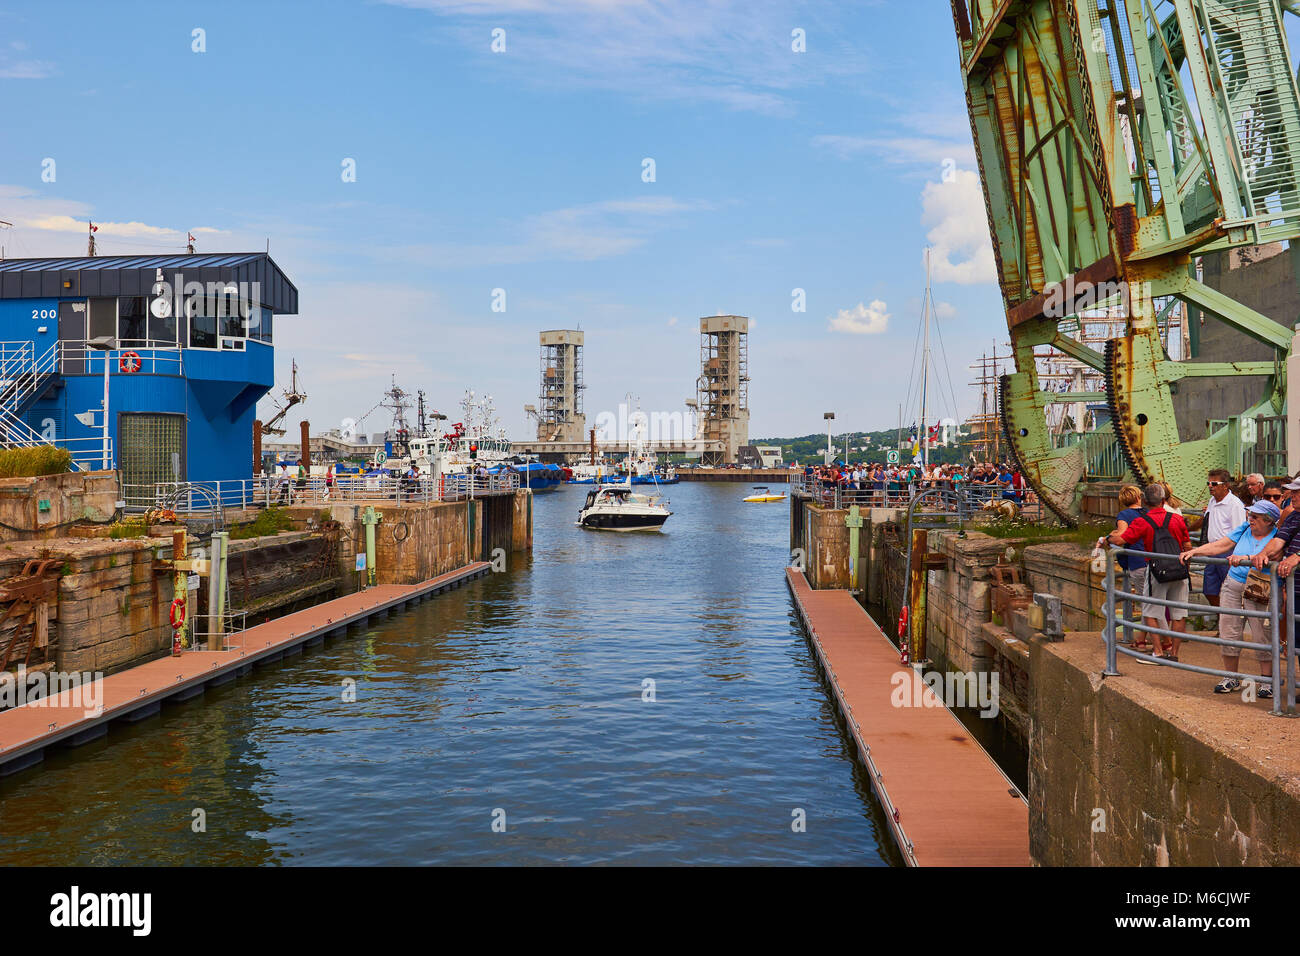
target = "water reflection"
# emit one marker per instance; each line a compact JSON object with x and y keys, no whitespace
{"x":521,"y":692}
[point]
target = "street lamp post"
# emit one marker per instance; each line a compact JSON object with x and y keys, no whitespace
{"x":105,"y":344}
{"x":830,"y":417}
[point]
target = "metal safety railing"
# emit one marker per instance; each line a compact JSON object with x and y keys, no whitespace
{"x":188,"y":497}
{"x":960,"y":498}
{"x":1280,"y":612}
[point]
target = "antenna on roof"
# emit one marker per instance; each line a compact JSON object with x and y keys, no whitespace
{"x":7,"y":225}
{"x":90,"y":245}
{"x":189,"y":244}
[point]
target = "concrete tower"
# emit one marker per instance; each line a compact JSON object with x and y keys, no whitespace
{"x":723,"y":385}
{"x":559,"y":415}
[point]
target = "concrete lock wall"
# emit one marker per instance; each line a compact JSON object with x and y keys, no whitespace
{"x":415,"y":541}
{"x":1114,"y":781}
{"x":826,"y":547}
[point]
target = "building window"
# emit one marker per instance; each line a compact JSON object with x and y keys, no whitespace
{"x":260,"y":325}
{"x":132,"y":322}
{"x":203,"y":331}
{"x":218,"y":320}
{"x":103,"y":319}
{"x":162,"y":331}
{"x":150,"y":448}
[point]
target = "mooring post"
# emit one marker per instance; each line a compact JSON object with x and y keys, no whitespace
{"x":217,"y":573}
{"x":854,"y":521}
{"x":370,"y":518}
{"x":917,"y":570}
{"x":180,"y":590}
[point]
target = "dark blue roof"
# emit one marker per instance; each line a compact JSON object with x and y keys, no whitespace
{"x":135,"y":275}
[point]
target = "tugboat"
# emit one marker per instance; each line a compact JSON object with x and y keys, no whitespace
{"x":619,"y":508}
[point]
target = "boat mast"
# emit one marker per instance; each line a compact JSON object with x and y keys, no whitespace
{"x":925,"y":365}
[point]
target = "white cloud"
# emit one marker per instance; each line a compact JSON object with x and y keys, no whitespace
{"x":958,"y":230}
{"x":672,"y":320}
{"x":54,"y":226}
{"x":733,"y":52}
{"x":945,"y":310}
{"x":862,"y":320}
{"x":11,"y":69}
{"x":901,"y":150}
{"x":598,"y":230}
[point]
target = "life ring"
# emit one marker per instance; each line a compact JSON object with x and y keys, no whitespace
{"x":129,"y":362}
{"x":177,"y":613}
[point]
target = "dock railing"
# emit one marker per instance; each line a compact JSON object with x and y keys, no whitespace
{"x":188,"y":497}
{"x":1277,"y":615}
{"x":960,"y":499}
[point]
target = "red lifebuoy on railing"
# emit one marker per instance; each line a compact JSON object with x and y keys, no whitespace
{"x":129,"y":362}
{"x":177,"y":613}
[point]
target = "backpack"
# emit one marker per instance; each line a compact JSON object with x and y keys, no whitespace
{"x":1163,"y":541}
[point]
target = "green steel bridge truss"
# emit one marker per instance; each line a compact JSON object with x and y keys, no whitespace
{"x":1117,"y":140}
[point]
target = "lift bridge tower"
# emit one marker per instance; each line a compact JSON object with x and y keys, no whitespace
{"x":559,"y":416}
{"x":1122,"y":145}
{"x":723,"y":386}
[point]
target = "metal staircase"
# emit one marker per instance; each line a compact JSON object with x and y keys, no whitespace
{"x":25,"y":378}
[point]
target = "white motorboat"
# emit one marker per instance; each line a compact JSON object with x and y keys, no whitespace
{"x":619,"y":508}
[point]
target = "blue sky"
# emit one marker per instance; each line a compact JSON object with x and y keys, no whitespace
{"x":522,"y":170}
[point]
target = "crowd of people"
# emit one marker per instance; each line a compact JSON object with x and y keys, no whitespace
{"x":900,"y":482}
{"x":1250,"y":525}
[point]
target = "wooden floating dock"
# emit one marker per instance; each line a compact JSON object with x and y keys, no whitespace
{"x":26,"y":732}
{"x":946,"y":801}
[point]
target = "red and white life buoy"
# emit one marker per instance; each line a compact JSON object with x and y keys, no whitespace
{"x":129,"y":362}
{"x":177,"y":613}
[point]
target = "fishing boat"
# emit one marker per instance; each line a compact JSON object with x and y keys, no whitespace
{"x":761,"y":493}
{"x":589,"y":473}
{"x":534,"y":475}
{"x":619,"y":508}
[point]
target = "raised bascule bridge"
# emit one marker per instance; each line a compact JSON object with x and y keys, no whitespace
{"x":1133,"y":154}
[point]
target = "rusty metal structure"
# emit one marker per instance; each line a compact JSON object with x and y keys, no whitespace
{"x":1118,"y":141}
{"x":25,"y":622}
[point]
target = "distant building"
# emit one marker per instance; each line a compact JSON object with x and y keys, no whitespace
{"x":722,"y":389}
{"x":186,"y":341}
{"x":770,"y":455}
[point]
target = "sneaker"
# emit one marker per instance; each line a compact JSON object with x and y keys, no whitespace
{"x":1227,"y":685}
{"x":1264,"y":693}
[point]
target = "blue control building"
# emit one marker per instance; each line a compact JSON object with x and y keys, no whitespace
{"x":179,"y":348}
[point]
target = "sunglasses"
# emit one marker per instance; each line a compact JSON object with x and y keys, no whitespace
{"x":1275,"y":497}
{"x":1215,"y":484}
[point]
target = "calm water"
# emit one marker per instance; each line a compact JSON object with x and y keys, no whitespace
{"x":520,"y":692}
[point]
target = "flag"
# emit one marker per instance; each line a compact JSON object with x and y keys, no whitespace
{"x":191,"y":235}
{"x":93,"y":227}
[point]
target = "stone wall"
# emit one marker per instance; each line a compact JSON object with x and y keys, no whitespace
{"x":415,"y":541}
{"x":112,"y":606}
{"x":1118,"y":779}
{"x":957,"y":600}
{"x":1064,"y":570}
{"x":67,"y":498}
{"x":826,"y":547}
